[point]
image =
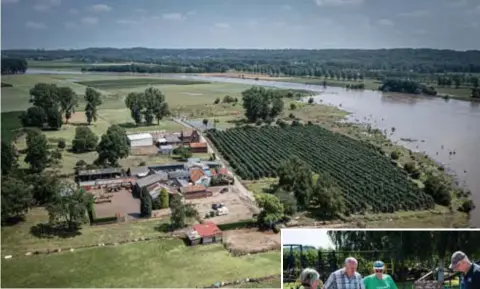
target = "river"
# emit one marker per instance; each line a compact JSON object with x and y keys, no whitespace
{"x":446,"y":130}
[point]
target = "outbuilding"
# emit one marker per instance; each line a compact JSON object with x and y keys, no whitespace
{"x":140,"y":140}
{"x":205,"y":233}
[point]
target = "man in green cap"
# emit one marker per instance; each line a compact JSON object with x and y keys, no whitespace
{"x":379,"y":280}
{"x":461,"y":263}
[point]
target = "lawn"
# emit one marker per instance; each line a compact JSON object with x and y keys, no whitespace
{"x":10,"y":122}
{"x":159,"y":263}
{"x":273,"y":283}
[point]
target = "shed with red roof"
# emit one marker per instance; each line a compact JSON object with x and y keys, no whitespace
{"x":205,"y":233}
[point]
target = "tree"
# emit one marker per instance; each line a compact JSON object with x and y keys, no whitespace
{"x":437,"y":188}
{"x":294,"y":176}
{"x":311,"y":100}
{"x":146,"y":204}
{"x":37,"y":151}
{"x":155,"y":105}
{"x":217,"y":101}
{"x":205,"y":122}
{"x":45,"y":187}
{"x":178,"y":215}
{"x":9,"y":158}
{"x":288,"y":201}
{"x":93,"y":99}
{"x":228,"y":99}
{"x":44,"y":95}
{"x":113,"y":146}
{"x":261,"y":103}
{"x":456,"y":81}
{"x":134,"y":101}
{"x":191,"y":213}
{"x":54,"y":117}
{"x":293,"y":106}
{"x":35,"y":116}
{"x":16,"y":198}
{"x":164,"y":199}
{"x":68,"y":101}
{"x":271,"y":208}
{"x":475,"y":82}
{"x":183,"y":152}
{"x":326,"y":199}
{"x":85,"y":140}
{"x":55,"y":156}
{"x":14,"y":65}
{"x":69,"y":207}
{"x":61,"y":144}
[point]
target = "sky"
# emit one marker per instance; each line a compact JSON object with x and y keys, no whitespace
{"x":307,"y":24}
{"x":312,"y":237}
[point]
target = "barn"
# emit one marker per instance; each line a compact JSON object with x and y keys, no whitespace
{"x":140,"y":140}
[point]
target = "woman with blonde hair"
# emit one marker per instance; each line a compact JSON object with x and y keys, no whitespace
{"x":310,"y":279}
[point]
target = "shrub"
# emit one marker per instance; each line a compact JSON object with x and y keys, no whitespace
{"x":291,"y":115}
{"x":142,"y":163}
{"x":311,"y":100}
{"x":409,"y":167}
{"x":237,"y":225}
{"x":394,"y":155}
{"x":217,"y":101}
{"x":259,"y":122}
{"x":85,"y":140}
{"x":61,"y":144}
{"x":467,"y":206}
{"x":293,"y":106}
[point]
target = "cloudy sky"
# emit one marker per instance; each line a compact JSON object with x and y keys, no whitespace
{"x":309,"y":237}
{"x":449,"y":24}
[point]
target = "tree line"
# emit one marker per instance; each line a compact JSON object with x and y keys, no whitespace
{"x":283,"y":61}
{"x":147,"y":106}
{"x":14,"y":65}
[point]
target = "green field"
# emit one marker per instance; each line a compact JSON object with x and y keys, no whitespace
{"x":131,"y":82}
{"x":160,"y":263}
{"x":10,"y":122}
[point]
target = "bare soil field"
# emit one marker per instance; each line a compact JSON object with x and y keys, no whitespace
{"x":122,"y":202}
{"x":238,"y":209}
{"x":77,"y":117}
{"x":244,"y":241}
{"x":144,"y":151}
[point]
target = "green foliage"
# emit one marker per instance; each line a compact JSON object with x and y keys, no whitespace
{"x":183,"y":151}
{"x":395,"y":155}
{"x":293,"y":106}
{"x":467,"y":206}
{"x":437,"y":188}
{"x":55,"y":156}
{"x":69,"y":206}
{"x":205,"y":122}
{"x":105,"y":220}
{"x":217,"y":101}
{"x":311,"y":100}
{"x":45,"y":187}
{"x":113,"y":146}
{"x":178,"y":215}
{"x":9,"y":158}
{"x":85,"y":140}
{"x":61,"y":144}
{"x":37,"y":151}
{"x":93,"y":99}
{"x":16,"y":198}
{"x":145,"y":204}
{"x":164,"y":199}
{"x":34,"y":116}
{"x":326,"y":199}
{"x":288,"y":201}
{"x":68,"y":101}
{"x":295,"y":176}
{"x":476,"y":93}
{"x":147,"y":106}
{"x":261,"y":103}
{"x":237,"y":225}
{"x":406,"y":86}
{"x":12,"y":65}
{"x":228,"y":99}
{"x":272,"y":210}
{"x":367,"y":179}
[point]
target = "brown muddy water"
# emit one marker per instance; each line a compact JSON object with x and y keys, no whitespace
{"x":446,"y":130}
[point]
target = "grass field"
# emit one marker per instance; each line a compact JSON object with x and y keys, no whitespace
{"x":10,"y":122}
{"x":160,"y":263}
{"x":127,"y":83}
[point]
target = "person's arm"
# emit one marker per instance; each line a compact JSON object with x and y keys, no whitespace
{"x":361,"y":284}
{"x":330,"y":283}
{"x":392,"y":283}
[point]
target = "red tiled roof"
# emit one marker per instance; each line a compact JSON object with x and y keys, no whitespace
{"x":207,"y":229}
{"x":198,"y":145}
{"x":193,"y":189}
{"x":196,"y":174}
{"x":223,"y":171}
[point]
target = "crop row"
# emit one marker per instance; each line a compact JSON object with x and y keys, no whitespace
{"x":368,"y":179}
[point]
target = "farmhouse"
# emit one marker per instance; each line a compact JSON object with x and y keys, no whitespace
{"x":91,"y":175}
{"x":198,"y":147}
{"x":179,"y":174}
{"x":204,"y":233}
{"x":189,"y":136}
{"x":140,"y":140}
{"x":195,"y":192}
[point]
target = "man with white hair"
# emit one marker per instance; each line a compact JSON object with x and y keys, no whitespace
{"x":461,"y":263}
{"x":345,"y":278}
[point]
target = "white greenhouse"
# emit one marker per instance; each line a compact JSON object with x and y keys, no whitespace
{"x":140,"y":140}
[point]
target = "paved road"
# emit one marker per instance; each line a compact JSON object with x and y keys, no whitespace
{"x":243,"y":193}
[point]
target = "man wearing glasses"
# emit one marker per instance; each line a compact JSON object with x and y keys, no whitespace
{"x":345,"y":278}
{"x":379,"y":280}
{"x":461,"y":263}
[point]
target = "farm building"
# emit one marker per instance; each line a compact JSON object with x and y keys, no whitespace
{"x":189,"y":136}
{"x":204,"y":233}
{"x":156,"y":190}
{"x":148,"y":181}
{"x":91,"y":175}
{"x":179,"y":174}
{"x":123,"y":182}
{"x":139,"y":172}
{"x":199,"y":177}
{"x":198,"y":147}
{"x":212,"y":164}
{"x":165,"y":149}
{"x":172,"y":140}
{"x":140,"y":140}
{"x":195,"y":192}
{"x":167,"y":167}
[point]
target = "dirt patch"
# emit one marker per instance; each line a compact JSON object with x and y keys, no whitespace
{"x":238,"y":208}
{"x":245,"y":241}
{"x":122,"y":202}
{"x":144,"y":151}
{"x":77,"y":117}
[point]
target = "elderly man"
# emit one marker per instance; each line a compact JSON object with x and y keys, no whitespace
{"x":345,"y":278}
{"x":461,"y":263}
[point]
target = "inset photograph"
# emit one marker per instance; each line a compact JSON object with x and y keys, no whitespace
{"x":366,"y":259}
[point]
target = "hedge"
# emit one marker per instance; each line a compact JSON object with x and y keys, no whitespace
{"x":237,"y":225}
{"x":105,"y":220}
{"x":91,"y":212}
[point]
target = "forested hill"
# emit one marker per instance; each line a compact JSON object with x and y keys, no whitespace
{"x":406,"y":60}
